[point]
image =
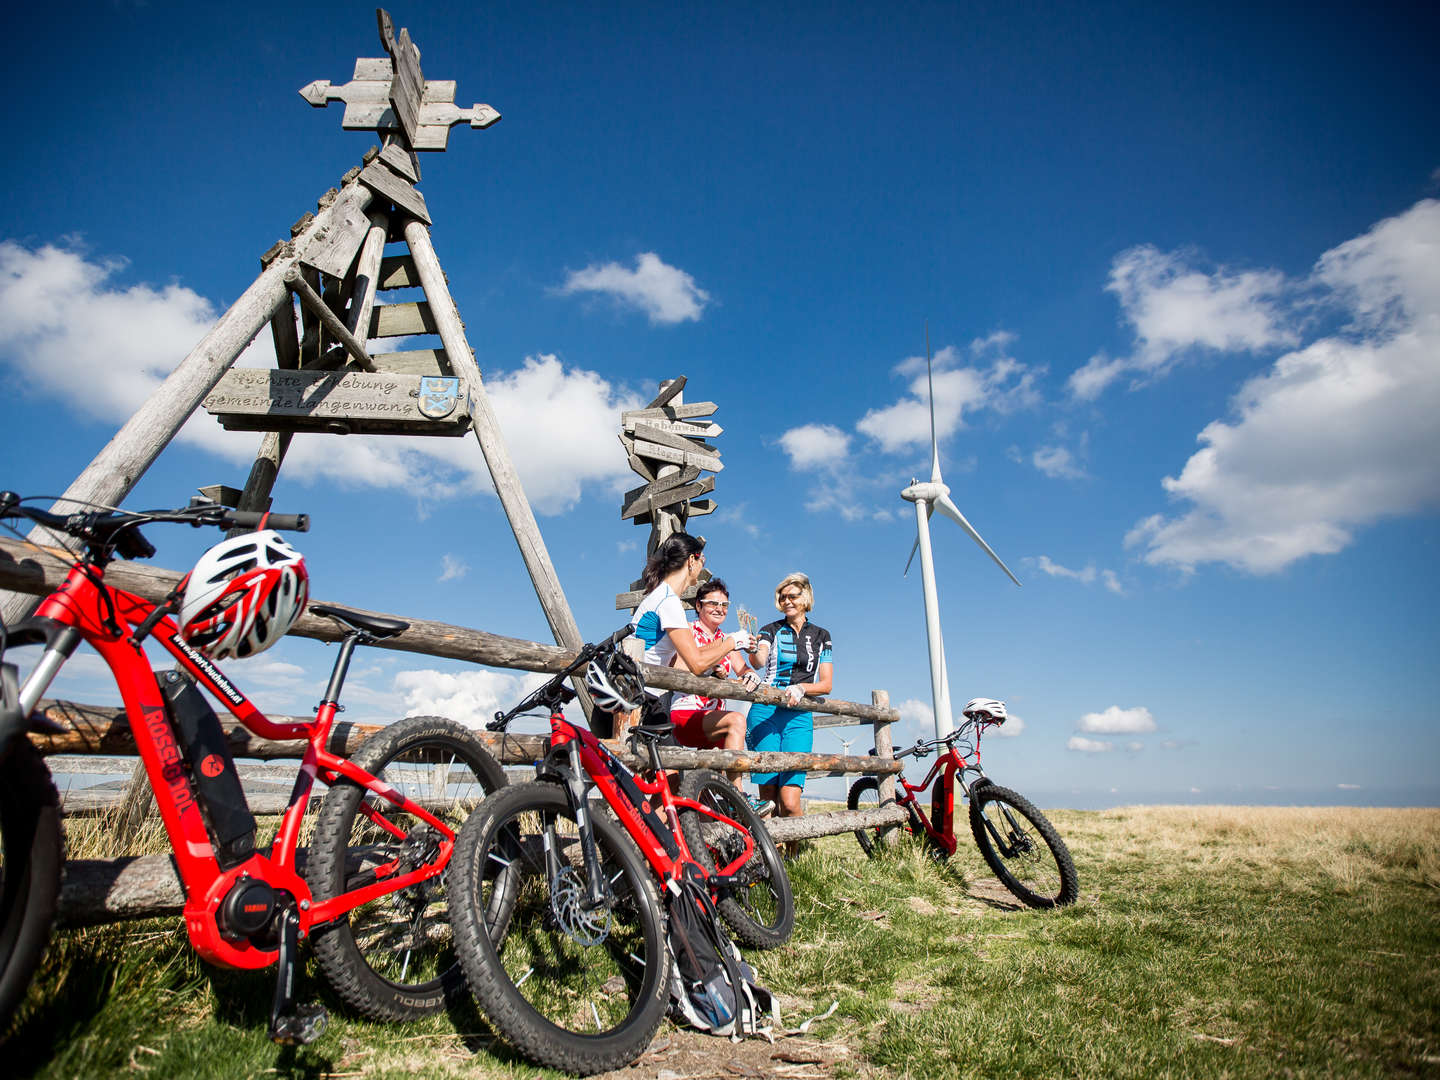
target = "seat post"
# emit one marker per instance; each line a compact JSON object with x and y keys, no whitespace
{"x":342,"y":664}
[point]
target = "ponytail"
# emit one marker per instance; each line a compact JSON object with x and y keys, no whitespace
{"x":669,"y":557}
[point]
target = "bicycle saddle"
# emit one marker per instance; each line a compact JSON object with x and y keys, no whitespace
{"x":377,"y":626}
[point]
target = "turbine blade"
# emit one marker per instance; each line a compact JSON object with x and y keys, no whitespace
{"x":930,"y":381}
{"x":913,"y":549}
{"x":947,"y":507}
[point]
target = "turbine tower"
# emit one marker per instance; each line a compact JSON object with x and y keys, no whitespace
{"x":929,"y":496}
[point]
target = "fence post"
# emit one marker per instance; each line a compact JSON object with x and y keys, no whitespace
{"x":884,"y":747}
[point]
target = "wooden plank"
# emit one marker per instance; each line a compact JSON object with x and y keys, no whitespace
{"x":649,"y":433}
{"x":402,"y":161}
{"x":380,"y":179}
{"x":398,"y":272}
{"x":668,"y":392}
{"x":312,"y":333}
{"x":402,"y":320}
{"x":708,"y":462}
{"x":328,"y":319}
{"x":367,"y":273}
{"x":671,"y":412}
{"x":408,"y":82}
{"x":333,"y":248}
{"x":648,"y":504}
{"x":414,"y":362}
{"x":676,"y":427}
{"x":701,"y":507}
{"x":265,"y":399}
{"x":684,"y":476}
{"x":285,"y":337}
{"x":636,"y":465}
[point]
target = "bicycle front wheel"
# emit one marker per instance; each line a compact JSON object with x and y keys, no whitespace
{"x":394,"y":958}
{"x":570,"y":983}
{"x":32,"y":849}
{"x":759,"y":906}
{"x":1022,"y":847}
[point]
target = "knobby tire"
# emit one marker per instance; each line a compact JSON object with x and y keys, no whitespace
{"x":1028,"y":856}
{"x":30,"y":868}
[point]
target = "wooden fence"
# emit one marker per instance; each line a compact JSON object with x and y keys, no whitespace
{"x":101,"y":890}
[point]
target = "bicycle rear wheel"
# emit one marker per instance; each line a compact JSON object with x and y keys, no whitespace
{"x":865,"y":795}
{"x":759,"y":907}
{"x":1022,"y":847}
{"x":32,"y":851}
{"x":573,"y":987}
{"x":394,"y":958}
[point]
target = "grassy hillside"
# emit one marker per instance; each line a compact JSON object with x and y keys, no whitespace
{"x":1208,"y":941}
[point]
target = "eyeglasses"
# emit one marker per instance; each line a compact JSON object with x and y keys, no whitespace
{"x":718,"y":605}
{"x":699,"y":555}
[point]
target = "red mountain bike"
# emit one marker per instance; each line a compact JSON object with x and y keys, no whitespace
{"x":557,"y":920}
{"x":371,"y":895}
{"x":1016,"y":839}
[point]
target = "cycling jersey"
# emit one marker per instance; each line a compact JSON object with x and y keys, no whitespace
{"x":795,"y":658}
{"x":660,"y":612}
{"x":722,"y":670}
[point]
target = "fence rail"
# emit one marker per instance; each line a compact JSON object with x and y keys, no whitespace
{"x":101,"y":890}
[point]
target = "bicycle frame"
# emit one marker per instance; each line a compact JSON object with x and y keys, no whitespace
{"x":85,"y":608}
{"x":632,"y":797}
{"x":940,"y":830}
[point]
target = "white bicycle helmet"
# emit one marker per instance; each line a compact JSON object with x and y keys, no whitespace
{"x":243,"y":596}
{"x":616,"y":684}
{"x":986,"y":710}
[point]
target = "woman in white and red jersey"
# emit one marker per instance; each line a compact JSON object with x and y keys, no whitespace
{"x":704,"y":722}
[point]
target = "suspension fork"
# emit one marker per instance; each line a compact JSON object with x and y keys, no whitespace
{"x":577,"y":788}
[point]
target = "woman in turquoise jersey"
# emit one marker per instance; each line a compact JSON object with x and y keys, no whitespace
{"x":795,"y":655}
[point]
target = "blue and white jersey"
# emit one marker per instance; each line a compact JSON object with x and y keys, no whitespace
{"x":795,"y":658}
{"x":660,"y":612}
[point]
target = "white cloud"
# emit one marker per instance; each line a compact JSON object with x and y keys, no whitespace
{"x":66,"y":323}
{"x":1046,"y":565}
{"x":1336,"y":435}
{"x":1057,"y":463}
{"x":1118,"y":721}
{"x":1135,"y":746}
{"x":666,"y":294}
{"x":1002,"y":384}
{"x":452,"y":568}
{"x":1088,"y":746}
{"x":1013,"y":726}
{"x":1175,"y":309}
{"x":815,"y":446}
{"x":1112,"y":582}
{"x":1348,"y":787}
{"x":471,"y":697}
{"x":917,"y":721}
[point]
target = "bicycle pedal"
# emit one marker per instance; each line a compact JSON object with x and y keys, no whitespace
{"x":301,"y":1027}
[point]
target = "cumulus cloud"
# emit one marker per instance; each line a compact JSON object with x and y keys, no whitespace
{"x":1087,"y":575}
{"x":1176,"y":309}
{"x":67,"y":321}
{"x":983,"y":377}
{"x":815,"y":446}
{"x":1057,"y":463}
{"x":1337,"y":434}
{"x":1118,"y":721}
{"x":1088,"y":746}
{"x":917,"y":721}
{"x":471,"y":697}
{"x":666,"y":294}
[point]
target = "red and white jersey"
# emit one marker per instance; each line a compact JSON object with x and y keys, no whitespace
{"x":723,"y":670}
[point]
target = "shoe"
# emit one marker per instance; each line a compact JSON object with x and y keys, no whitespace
{"x":762,"y":807}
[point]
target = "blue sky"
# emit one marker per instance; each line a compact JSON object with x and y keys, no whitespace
{"x":1181,"y":270}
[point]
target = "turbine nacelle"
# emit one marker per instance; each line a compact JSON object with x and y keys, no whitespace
{"x":928,"y":491}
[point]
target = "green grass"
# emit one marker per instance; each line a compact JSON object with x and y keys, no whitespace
{"x":1224,"y":942}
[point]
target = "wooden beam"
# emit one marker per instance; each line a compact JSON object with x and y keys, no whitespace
{"x":285,"y":337}
{"x":667,"y":392}
{"x":367,"y":274}
{"x":328,"y":319}
{"x":403,"y":320}
{"x":401,"y":192}
{"x":124,"y":460}
{"x":414,"y":362}
{"x":25,"y":570}
{"x":398,"y":272}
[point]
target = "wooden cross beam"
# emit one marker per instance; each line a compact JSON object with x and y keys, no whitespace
{"x":390,"y":95}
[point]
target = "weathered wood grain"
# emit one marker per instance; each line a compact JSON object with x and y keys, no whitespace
{"x":414,"y":362}
{"x":367,"y":274}
{"x":647,"y":432}
{"x":398,"y":272}
{"x":285,"y":336}
{"x":330,"y":244}
{"x":403,"y":320}
{"x":380,"y":402}
{"x":328,"y":319}
{"x":654,"y":487}
{"x":674,"y":427}
{"x":670,"y":454}
{"x":651,"y":502}
{"x":668,"y":392}
{"x":382,"y":180}
{"x":403,"y":161}
{"x":671,"y":412}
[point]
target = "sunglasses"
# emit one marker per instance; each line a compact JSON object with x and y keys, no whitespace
{"x":718,"y":605}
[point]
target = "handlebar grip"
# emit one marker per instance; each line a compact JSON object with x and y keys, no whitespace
{"x":906,"y":752}
{"x":618,"y":636}
{"x":250,"y":519}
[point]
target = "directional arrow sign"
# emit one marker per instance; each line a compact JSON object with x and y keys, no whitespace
{"x":665,"y":483}
{"x":671,"y":412}
{"x":709,"y":462}
{"x":648,"y":504}
{"x":677,"y":427}
{"x":645,"y":431}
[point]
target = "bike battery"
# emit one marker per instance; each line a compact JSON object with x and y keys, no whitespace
{"x":212,"y":769}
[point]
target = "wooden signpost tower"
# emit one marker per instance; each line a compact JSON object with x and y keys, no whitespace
{"x":335,"y":270}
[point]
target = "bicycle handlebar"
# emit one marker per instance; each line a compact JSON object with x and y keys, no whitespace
{"x":555,"y":688}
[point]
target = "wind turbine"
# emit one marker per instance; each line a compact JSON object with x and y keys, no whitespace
{"x":929,"y":496}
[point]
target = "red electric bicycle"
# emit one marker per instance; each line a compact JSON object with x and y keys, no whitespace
{"x":1016,"y":839}
{"x":557,"y":919}
{"x":371,"y":895}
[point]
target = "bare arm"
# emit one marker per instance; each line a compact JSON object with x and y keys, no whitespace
{"x":699,"y":658}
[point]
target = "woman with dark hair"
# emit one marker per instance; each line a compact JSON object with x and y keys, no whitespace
{"x":660,"y":623}
{"x":704,"y":722}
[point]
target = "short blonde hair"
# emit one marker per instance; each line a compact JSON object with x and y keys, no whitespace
{"x":807,"y":594}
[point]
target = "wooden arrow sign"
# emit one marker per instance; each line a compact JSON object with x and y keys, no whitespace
{"x":648,"y":433}
{"x":665,"y":483}
{"x":677,"y":427}
{"x":649,"y":503}
{"x":709,"y":462}
{"x":671,"y":412}
{"x":673,"y":387}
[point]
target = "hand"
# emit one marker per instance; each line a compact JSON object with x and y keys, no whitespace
{"x":750,"y":680}
{"x":744,"y":641}
{"x":793,"y":694}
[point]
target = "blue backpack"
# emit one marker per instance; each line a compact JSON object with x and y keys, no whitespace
{"x":711,"y":988}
